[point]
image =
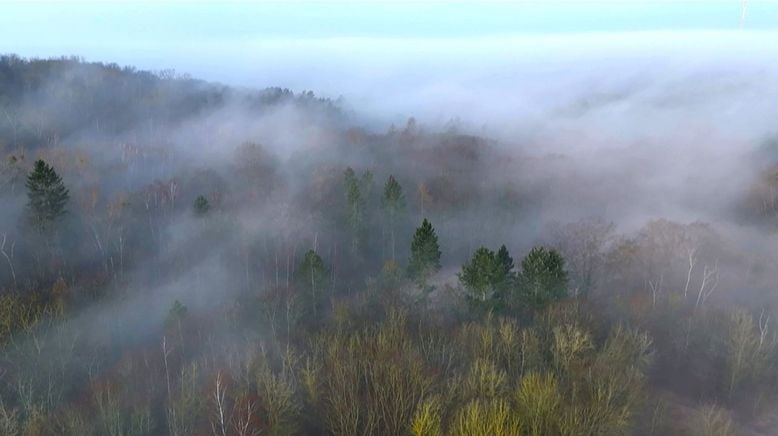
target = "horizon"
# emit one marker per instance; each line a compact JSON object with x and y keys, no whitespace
{"x":201,"y":38}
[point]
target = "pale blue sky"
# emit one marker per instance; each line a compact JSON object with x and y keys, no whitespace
{"x":372,"y":52}
{"x":65,"y":25}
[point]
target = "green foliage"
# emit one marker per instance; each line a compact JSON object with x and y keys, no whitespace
{"x":355,"y":205}
{"x":46,"y":196}
{"x":313,"y":276}
{"x":487,"y":277}
{"x":393,"y":203}
{"x":176,"y":313}
{"x":358,"y":191}
{"x":201,"y":206}
{"x":425,"y":254}
{"x":543,"y":278}
{"x":508,"y":270}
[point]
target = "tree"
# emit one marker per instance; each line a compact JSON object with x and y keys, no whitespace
{"x":201,"y":206}
{"x":584,"y":244}
{"x":312,"y":277}
{"x":543,"y":278}
{"x":425,"y":254}
{"x":394,"y":203}
{"x":355,"y":203}
{"x":508,"y":279}
{"x":46,"y":195}
{"x":481,"y":278}
{"x":176,"y":313}
{"x":488,"y":278}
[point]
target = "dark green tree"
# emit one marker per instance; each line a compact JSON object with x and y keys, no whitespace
{"x":312,"y":276}
{"x":201,"y":206}
{"x":425,"y":254}
{"x":358,"y":191}
{"x":176,"y":313}
{"x":46,"y":196}
{"x":487,"y":278}
{"x":355,"y":204}
{"x":480,"y":275}
{"x":508,"y":272}
{"x":393,"y":202}
{"x":543,"y":278}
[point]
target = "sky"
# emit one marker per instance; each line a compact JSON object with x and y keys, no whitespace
{"x":39,"y":25}
{"x":395,"y":59}
{"x":141,"y":30}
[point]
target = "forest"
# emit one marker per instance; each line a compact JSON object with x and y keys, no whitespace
{"x":180,"y":257}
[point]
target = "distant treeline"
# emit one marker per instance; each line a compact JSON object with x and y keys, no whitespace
{"x":43,"y":101}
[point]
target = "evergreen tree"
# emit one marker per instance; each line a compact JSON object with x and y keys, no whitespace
{"x":201,"y":206}
{"x":176,"y":313}
{"x":487,"y":277}
{"x":358,"y":190}
{"x":394,"y":203}
{"x":480,"y":275}
{"x":366,"y":185}
{"x":46,"y":196}
{"x":312,"y":276}
{"x":543,"y":278}
{"x":425,"y":254}
{"x":508,"y":273}
{"x":355,"y":204}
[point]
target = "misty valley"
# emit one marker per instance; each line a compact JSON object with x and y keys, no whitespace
{"x":182,"y":257}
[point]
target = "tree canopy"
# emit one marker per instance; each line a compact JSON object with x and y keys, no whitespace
{"x":543,"y":278}
{"x":47,"y":196}
{"x":488,"y":278}
{"x":425,"y":253}
{"x":201,"y":206}
{"x":393,"y":203}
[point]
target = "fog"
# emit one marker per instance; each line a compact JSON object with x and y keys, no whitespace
{"x":659,"y":146}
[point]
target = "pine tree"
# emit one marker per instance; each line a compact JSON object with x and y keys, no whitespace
{"x":393,"y":203}
{"x":487,"y":278}
{"x":508,"y":273}
{"x":46,"y":196}
{"x":480,"y":275}
{"x":312,"y":276}
{"x":201,"y":206}
{"x":176,"y":313}
{"x":355,"y":204}
{"x":543,"y":278}
{"x":425,"y":254}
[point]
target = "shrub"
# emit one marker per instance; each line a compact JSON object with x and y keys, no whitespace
{"x":427,"y":418}
{"x":539,"y":403}
{"x":482,"y":417}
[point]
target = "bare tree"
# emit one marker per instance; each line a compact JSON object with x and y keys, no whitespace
{"x":243,"y":423}
{"x":220,"y":421}
{"x":763,"y":327}
{"x":583,"y":244}
{"x":708,"y":285}
{"x":9,"y":257}
{"x":692,"y":256}
{"x":656,"y":288}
